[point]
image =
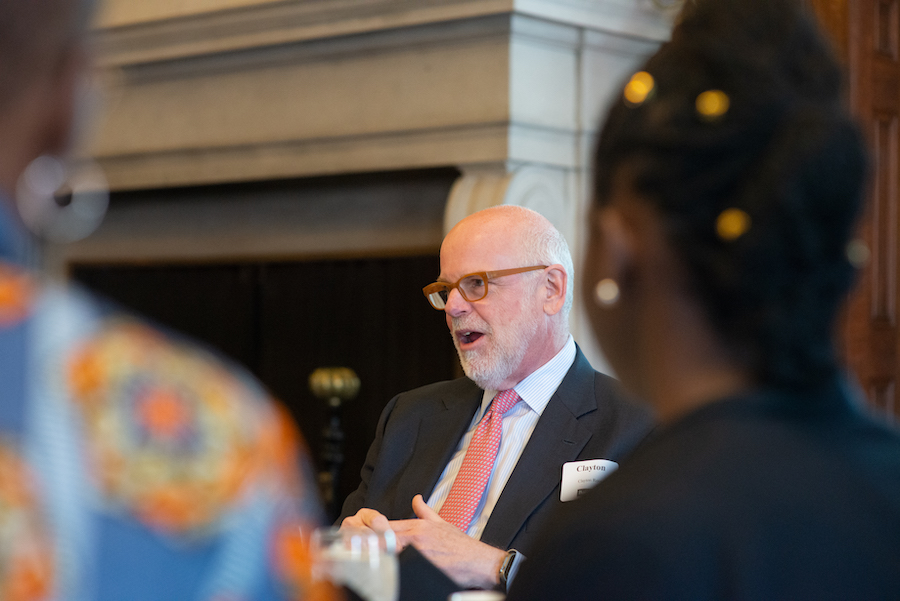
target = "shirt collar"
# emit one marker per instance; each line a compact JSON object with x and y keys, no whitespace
{"x":538,"y":387}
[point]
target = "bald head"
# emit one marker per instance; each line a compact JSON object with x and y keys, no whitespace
{"x":506,"y":271}
{"x":528,"y":236}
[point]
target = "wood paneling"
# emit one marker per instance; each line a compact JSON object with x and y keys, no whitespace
{"x":883,"y":226}
{"x":867,"y":36}
{"x":887,"y":28}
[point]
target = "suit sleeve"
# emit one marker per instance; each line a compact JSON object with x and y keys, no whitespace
{"x":359,"y":497}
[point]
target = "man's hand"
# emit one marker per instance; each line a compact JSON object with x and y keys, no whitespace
{"x":367,"y":519}
{"x":471,"y":563}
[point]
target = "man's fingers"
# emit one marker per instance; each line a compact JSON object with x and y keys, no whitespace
{"x":367,"y":519}
{"x":423,"y":511}
{"x":352,"y":521}
{"x":375,"y":521}
{"x":378,"y":523}
{"x":402,"y":525}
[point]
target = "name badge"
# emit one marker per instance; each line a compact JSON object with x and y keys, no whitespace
{"x":578,"y":477}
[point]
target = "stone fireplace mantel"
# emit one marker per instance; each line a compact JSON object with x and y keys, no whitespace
{"x":289,"y":89}
{"x":231,"y":91}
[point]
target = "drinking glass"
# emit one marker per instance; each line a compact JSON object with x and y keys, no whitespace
{"x":362,"y":560}
{"x":477,"y":596}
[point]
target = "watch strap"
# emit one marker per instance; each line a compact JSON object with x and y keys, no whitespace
{"x":506,"y":566}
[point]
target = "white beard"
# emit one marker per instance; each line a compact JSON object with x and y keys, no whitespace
{"x":491,"y":367}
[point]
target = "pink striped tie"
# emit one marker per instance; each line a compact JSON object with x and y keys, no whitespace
{"x":477,"y":465}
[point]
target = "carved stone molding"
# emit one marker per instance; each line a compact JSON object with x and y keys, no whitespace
{"x":268,"y":89}
{"x":154,"y":30}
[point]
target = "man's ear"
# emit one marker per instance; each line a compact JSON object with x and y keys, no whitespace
{"x":556,"y":282}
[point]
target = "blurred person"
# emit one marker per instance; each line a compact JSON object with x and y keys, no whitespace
{"x":728,"y":180}
{"x":132,"y":465}
{"x":505,"y":287}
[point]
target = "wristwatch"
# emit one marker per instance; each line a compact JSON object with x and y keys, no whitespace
{"x":506,"y":566}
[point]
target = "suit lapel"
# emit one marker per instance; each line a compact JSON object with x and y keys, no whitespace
{"x":439,"y":434}
{"x":557,"y":439}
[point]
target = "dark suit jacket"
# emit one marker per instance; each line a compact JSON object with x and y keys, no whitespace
{"x":773,"y":495}
{"x":586,"y":418}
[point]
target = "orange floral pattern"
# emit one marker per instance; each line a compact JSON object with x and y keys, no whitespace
{"x":172,"y":436}
{"x":26,"y":551}
{"x":17,"y":290}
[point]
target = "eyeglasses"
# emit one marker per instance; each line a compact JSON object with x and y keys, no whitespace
{"x":473,"y":286}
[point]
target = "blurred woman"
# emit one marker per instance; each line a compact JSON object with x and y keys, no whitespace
{"x":133,"y":466}
{"x":728,"y":180}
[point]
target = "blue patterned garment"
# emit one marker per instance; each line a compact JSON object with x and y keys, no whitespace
{"x":133,"y":465}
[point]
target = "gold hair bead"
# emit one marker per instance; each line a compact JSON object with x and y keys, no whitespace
{"x":638,"y":88}
{"x":712,"y":104}
{"x":732,"y":224}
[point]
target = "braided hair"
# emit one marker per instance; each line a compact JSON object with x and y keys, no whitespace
{"x":769,"y":145}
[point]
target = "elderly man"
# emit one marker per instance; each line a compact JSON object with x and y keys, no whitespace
{"x":478,"y":463}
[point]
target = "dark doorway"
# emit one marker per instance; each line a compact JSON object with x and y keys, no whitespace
{"x":284,"y":319}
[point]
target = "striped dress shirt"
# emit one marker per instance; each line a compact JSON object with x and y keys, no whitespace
{"x":518,"y":424}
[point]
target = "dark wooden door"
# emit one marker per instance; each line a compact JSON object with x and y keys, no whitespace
{"x":867,"y":36}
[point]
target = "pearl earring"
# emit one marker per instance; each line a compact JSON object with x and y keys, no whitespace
{"x":62,"y":202}
{"x":606,"y":292}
